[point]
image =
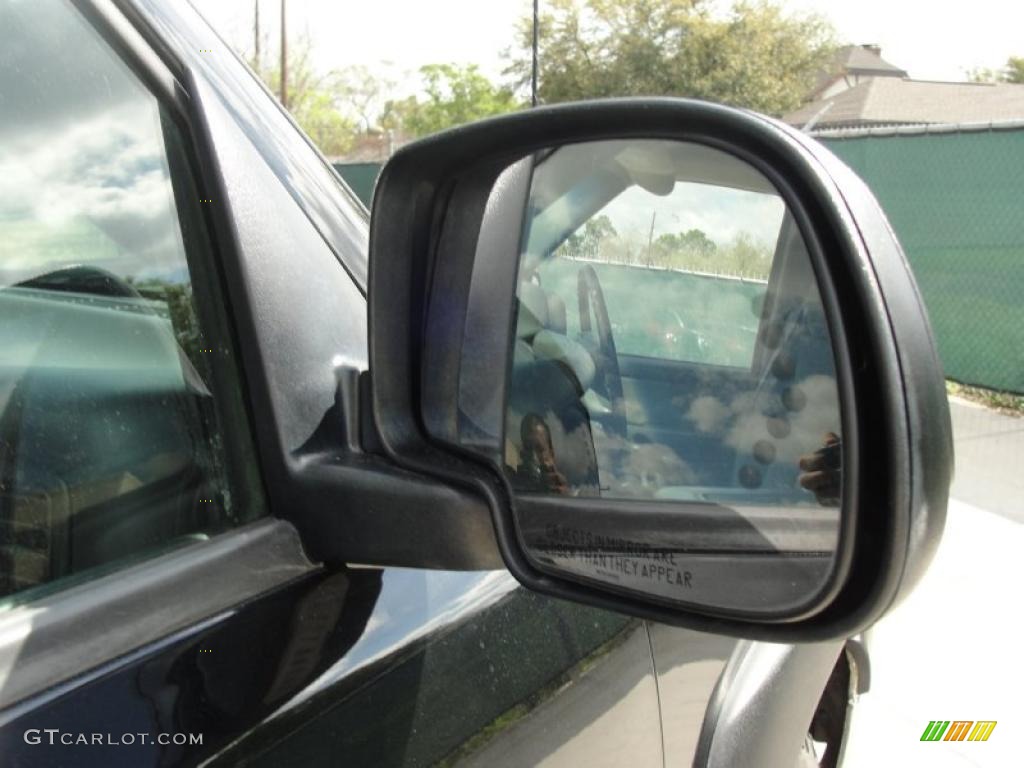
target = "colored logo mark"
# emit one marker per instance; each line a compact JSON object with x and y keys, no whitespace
{"x":958,"y":730}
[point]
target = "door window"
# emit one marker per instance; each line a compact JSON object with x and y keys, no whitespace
{"x":683,"y":360}
{"x":699,"y":256}
{"x":111,"y":442}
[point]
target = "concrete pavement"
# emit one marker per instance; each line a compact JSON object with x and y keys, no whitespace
{"x":953,"y":650}
{"x":989,"y":459}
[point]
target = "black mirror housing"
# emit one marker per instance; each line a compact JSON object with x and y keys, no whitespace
{"x":446,"y":232}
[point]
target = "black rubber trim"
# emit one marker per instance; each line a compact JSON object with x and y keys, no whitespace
{"x":120,"y":34}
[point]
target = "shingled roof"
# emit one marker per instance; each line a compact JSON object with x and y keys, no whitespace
{"x":866,"y":60}
{"x":853,"y":63}
{"x":901,"y":101}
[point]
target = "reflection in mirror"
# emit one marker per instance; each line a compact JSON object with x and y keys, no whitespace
{"x":673,"y":419}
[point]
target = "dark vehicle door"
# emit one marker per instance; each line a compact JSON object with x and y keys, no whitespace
{"x":165,"y":232}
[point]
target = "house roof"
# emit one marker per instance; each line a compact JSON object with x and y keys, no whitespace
{"x":858,"y":60}
{"x":901,"y":101}
{"x":866,"y":60}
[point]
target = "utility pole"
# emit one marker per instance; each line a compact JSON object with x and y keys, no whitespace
{"x":284,"y":56}
{"x":536,"y":37}
{"x":650,"y":237}
{"x":256,"y":36}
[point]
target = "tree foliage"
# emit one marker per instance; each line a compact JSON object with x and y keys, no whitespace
{"x":694,"y":251}
{"x":694,"y":243}
{"x":1011,"y":72}
{"x":755,"y":56}
{"x":688,"y":251}
{"x":585,"y":243}
{"x":452,"y":94}
{"x":314,"y":99}
{"x":363,"y":93}
{"x":334,"y":109}
{"x":1014,"y":71}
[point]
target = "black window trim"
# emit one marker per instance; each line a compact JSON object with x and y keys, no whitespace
{"x":168,"y":81}
{"x":144,"y":62}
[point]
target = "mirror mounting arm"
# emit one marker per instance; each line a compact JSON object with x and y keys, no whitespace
{"x":351,"y":504}
{"x":352,"y":400}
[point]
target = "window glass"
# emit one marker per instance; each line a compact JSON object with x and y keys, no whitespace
{"x":698,"y":255}
{"x":110,"y":445}
{"x":609,"y":305}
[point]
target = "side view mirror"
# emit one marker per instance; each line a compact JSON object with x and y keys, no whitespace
{"x":675,"y":350}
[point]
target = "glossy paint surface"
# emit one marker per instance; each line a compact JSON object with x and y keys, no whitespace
{"x":366,"y":667}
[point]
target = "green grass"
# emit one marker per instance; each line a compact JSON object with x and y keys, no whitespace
{"x":1004,"y":402}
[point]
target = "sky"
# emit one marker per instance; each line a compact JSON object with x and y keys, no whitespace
{"x":932,"y":40}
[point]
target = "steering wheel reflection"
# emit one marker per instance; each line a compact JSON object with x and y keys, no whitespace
{"x":608,"y":381}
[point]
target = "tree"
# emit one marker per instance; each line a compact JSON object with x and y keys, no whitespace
{"x":314,"y":99}
{"x":452,"y":95}
{"x":691,"y":250}
{"x":1014,"y":72}
{"x":694,"y":251}
{"x":756,"y":56}
{"x":693,"y":244}
{"x":585,"y":243}
{"x":1011,"y":72}
{"x":364,"y":94}
{"x":745,"y":257}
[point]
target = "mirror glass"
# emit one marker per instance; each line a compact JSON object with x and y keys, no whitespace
{"x":672,"y":425}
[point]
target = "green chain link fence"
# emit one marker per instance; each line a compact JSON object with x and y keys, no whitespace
{"x":956,"y":201}
{"x":360,"y":177}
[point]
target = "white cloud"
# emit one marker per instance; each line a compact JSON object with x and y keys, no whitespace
{"x":807,"y":427}
{"x":96,"y":189}
{"x":708,"y":413}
